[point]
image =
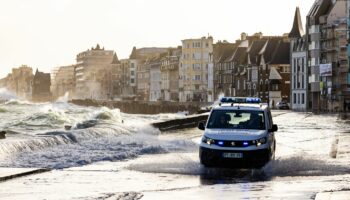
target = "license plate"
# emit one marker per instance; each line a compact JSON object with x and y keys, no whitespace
{"x":232,"y":155}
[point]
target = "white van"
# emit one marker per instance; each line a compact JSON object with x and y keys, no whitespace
{"x":239,"y":133}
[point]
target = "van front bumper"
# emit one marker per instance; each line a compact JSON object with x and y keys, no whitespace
{"x":250,"y":159}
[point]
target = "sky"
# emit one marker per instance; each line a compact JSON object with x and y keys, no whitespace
{"x":46,"y":34}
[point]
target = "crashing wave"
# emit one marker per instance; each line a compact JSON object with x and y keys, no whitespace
{"x":6,"y":94}
{"x":107,"y":114}
{"x":43,"y":119}
{"x":17,"y":102}
{"x":63,"y":99}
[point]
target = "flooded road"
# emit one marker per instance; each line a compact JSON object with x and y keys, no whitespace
{"x":115,"y":160}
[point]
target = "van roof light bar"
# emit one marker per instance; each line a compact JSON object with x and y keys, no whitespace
{"x":251,"y":100}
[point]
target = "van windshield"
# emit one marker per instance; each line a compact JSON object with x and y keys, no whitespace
{"x":237,"y":119}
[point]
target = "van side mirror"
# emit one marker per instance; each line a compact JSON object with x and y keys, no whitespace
{"x":274,"y":128}
{"x":201,"y":126}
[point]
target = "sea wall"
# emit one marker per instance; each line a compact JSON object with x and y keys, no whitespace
{"x":143,"y":107}
{"x":182,"y":123}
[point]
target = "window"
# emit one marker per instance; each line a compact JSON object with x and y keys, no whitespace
{"x":303,"y":65}
{"x":196,"y":66}
{"x":286,"y":69}
{"x":197,"y":77}
{"x":303,"y":98}
{"x":294,"y":98}
{"x":303,"y":82}
{"x":237,"y":119}
{"x":294,"y":82}
{"x":298,"y":98}
{"x":132,"y":73}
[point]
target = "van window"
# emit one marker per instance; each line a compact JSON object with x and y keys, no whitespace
{"x":237,"y":119}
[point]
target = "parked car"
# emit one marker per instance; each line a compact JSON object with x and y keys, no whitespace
{"x":282,"y":105}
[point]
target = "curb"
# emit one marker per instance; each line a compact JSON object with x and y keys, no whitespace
{"x":36,"y":171}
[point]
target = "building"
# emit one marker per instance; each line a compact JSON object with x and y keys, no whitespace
{"x":155,"y":79}
{"x":93,"y":74}
{"x":196,"y":70}
{"x":279,"y":76}
{"x":41,"y":87}
{"x":143,"y":79}
{"x":63,"y":82}
{"x":238,"y":62}
{"x":313,"y":39}
{"x":170,"y":75}
{"x":299,"y":73}
{"x":273,"y":60}
{"x":116,"y":78}
{"x":334,"y":66}
{"x":122,"y":87}
{"x":347,"y":102}
{"x":20,"y":82}
{"x":3,"y":83}
{"x":253,"y":66}
{"x":139,"y":67}
{"x":328,"y":62}
{"x":223,"y":76}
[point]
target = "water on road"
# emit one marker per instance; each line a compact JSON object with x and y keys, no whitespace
{"x":103,"y":153}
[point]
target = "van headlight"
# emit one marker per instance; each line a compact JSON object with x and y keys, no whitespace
{"x":208,"y":140}
{"x":260,"y":141}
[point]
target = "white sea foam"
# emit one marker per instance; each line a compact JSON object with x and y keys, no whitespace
{"x":80,"y":151}
{"x":64,"y":98}
{"x":6,"y":94}
{"x":37,"y":137}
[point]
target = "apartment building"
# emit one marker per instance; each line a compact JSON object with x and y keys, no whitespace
{"x":63,"y":81}
{"x":170,"y":75}
{"x":313,"y":39}
{"x":334,"y":66}
{"x":20,"y":82}
{"x":93,"y":74}
{"x":196,"y":70}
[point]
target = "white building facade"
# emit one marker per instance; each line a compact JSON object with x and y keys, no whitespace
{"x":299,"y":81}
